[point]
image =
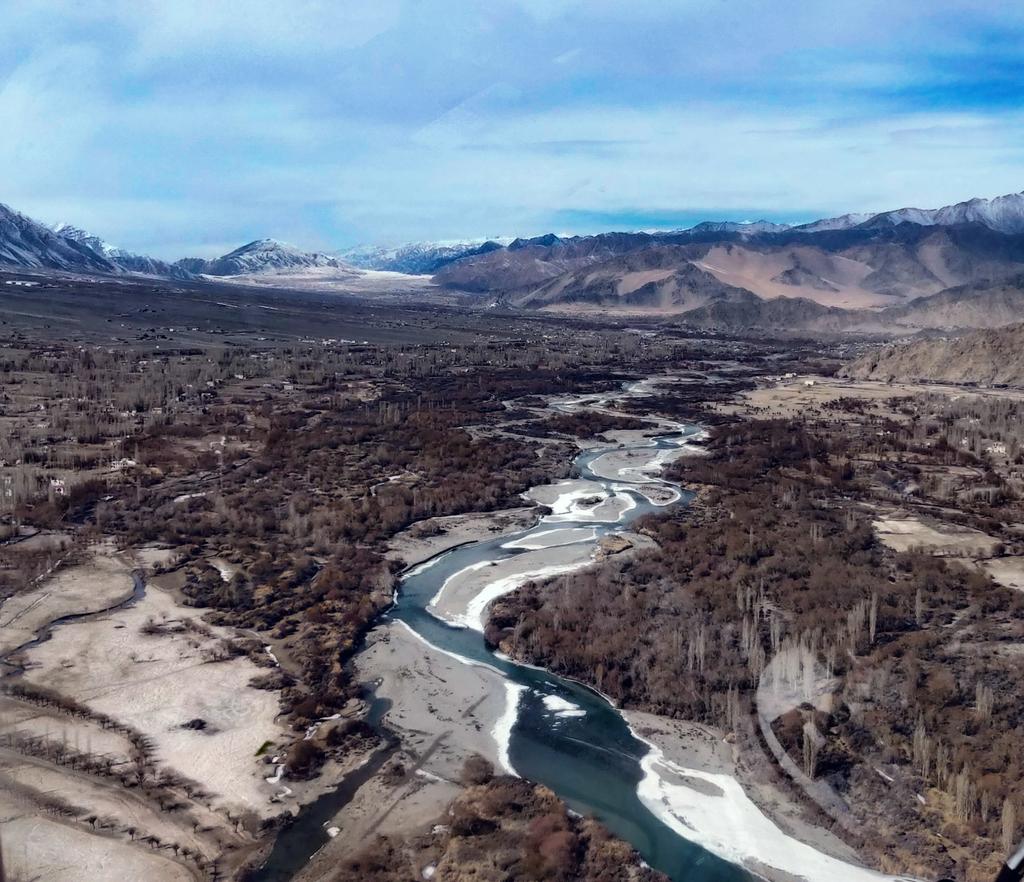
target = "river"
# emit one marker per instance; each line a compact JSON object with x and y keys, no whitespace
{"x":559,"y":733}
{"x":565,"y":735}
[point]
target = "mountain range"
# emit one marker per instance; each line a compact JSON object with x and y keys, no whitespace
{"x":862,"y":267}
{"x":418,"y":258}
{"x":29,"y":244}
{"x":261,"y":256}
{"x":959,"y":266}
{"x":120,"y":259}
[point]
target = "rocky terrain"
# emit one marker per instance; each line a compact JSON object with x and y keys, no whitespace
{"x":988,"y":357}
{"x":983,"y":304}
{"x":956,"y":267}
{"x":656,"y":278}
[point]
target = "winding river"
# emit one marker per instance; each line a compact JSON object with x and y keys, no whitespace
{"x":565,"y":735}
{"x":558,"y":732}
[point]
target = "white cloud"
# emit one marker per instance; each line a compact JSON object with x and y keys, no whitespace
{"x":51,"y":109}
{"x":168,"y":126}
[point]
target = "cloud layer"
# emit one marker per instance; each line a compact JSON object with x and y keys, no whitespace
{"x":188,"y":127}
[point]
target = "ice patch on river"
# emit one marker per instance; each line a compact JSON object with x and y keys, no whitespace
{"x":566,"y":509}
{"x":647,"y":489}
{"x":502,"y":731}
{"x":562,"y":708}
{"x":715,"y":812}
{"x":565,"y":505}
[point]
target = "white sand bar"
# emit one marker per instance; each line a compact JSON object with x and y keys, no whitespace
{"x":572,"y":501}
{"x":634,"y":465}
{"x":711,"y":808}
{"x":436,"y":697}
{"x":464,"y":597}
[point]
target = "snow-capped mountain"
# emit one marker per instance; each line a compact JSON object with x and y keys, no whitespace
{"x":77,"y":234}
{"x":418,"y":258}
{"x":1005,"y":214}
{"x":742,"y":227}
{"x":27,"y":243}
{"x":123,"y":260}
{"x":263,"y":255}
{"x":368,"y":256}
{"x":843,"y":222}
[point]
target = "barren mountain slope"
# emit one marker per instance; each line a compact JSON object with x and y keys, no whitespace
{"x":655,"y":279}
{"x":988,"y":357}
{"x":781,"y":314}
{"x":980,"y":305}
{"x":796,"y":271}
{"x":529,"y":263}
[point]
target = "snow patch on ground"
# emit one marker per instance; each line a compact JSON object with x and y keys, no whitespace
{"x":428,"y":776}
{"x":225,"y":569}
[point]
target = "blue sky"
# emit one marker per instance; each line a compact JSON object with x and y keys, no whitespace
{"x":189,"y":127}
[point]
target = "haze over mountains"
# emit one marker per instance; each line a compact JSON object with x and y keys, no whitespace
{"x":959,"y":266}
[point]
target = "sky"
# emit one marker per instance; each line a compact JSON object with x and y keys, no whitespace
{"x":189,"y":127}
